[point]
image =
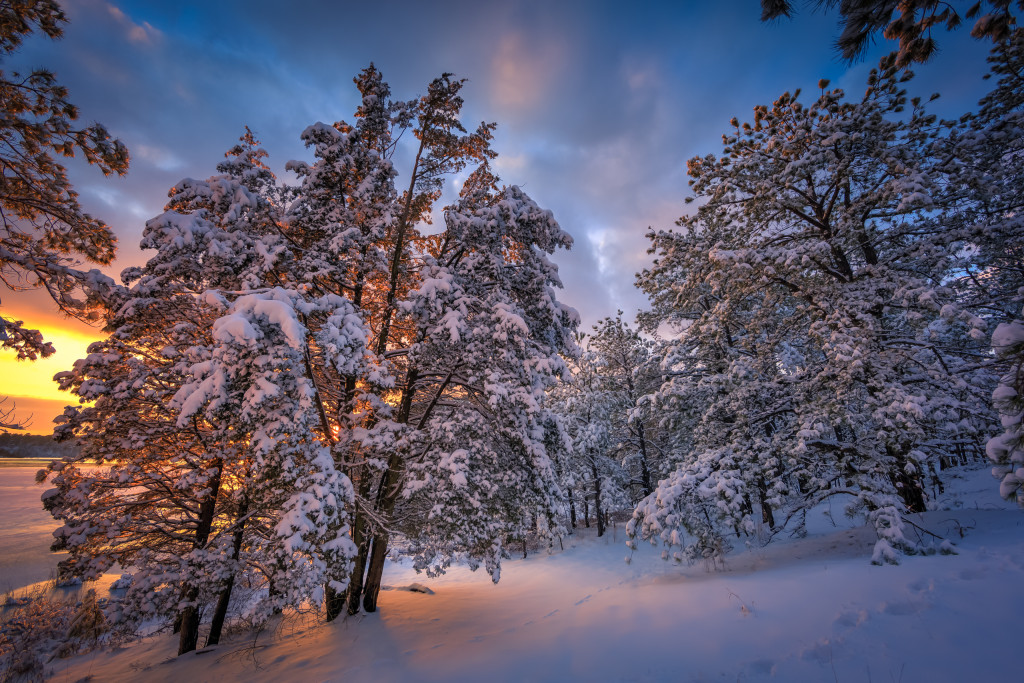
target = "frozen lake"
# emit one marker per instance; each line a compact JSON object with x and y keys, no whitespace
{"x":25,"y":534}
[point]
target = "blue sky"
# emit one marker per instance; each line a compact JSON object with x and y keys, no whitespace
{"x":598,"y":104}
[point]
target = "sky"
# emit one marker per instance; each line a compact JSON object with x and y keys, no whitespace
{"x":598,"y":105}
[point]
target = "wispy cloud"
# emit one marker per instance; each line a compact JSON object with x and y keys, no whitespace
{"x":523,"y":70}
{"x":162,"y":158}
{"x":143,"y":33}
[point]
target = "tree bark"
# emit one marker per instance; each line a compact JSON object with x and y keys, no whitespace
{"x":375,"y":573}
{"x":362,"y":540}
{"x":189,"y":635}
{"x":221,"y":611}
{"x":387,"y":496}
{"x":645,"y":470}
{"x":597,"y":499}
{"x":572,"y":508}
{"x":767,"y":515}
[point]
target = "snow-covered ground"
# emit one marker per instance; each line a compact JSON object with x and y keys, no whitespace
{"x":810,"y":609}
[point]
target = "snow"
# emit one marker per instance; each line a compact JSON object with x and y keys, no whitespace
{"x":809,"y":609}
{"x":1007,"y":335}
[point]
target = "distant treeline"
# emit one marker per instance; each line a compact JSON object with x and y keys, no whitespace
{"x":33,"y":446}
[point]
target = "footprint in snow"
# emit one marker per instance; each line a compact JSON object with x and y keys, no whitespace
{"x":550,"y":614}
{"x":762,"y":667}
{"x":851,"y":619}
{"x":903,"y":608}
{"x":580,"y":602}
{"x":972,"y":574}
{"x":923,"y":586}
{"x":822,"y":651}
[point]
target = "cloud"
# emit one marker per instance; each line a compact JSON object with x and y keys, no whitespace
{"x":522,"y":71}
{"x":162,"y":158}
{"x":140,"y":34}
{"x":598,"y":105}
{"x":115,"y":200}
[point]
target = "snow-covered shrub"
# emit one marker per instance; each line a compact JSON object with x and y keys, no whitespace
{"x":40,"y":626}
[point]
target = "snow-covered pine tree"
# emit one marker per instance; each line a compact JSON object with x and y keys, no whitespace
{"x":1007,"y":449}
{"x":630,"y":373}
{"x":342,"y":224}
{"x":815,"y":359}
{"x":386,"y":266}
{"x":992,"y":232}
{"x":485,"y":333}
{"x":586,"y":406}
{"x":153,"y":511}
{"x":196,"y":397}
{"x":252,"y":388}
{"x":312,"y":331}
{"x":987,"y":152}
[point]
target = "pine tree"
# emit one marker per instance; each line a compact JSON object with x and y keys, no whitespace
{"x":823,"y":351}
{"x":310,"y":375}
{"x":991,"y":227}
{"x":911,"y":22}
{"x":630,"y":373}
{"x":489,"y":335}
{"x":202,"y":400}
{"x":44,"y":234}
{"x":418,"y":374}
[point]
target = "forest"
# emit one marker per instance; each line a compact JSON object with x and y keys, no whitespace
{"x":307,"y":380}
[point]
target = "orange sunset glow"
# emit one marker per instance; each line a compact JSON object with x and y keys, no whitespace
{"x":29,"y":384}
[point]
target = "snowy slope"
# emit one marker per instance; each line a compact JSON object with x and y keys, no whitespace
{"x":809,"y":609}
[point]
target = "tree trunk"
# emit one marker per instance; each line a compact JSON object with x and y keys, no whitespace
{"x":387,"y":496}
{"x":221,"y":611}
{"x":645,"y":470}
{"x":908,"y":487}
{"x":375,"y":573}
{"x":362,"y":541}
{"x":597,"y":499}
{"x":910,"y":491}
{"x":188,"y":638}
{"x":189,"y":635}
{"x":572,"y":509}
{"x":767,"y":516}
{"x":334,"y":601}
{"x":396,"y":259}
